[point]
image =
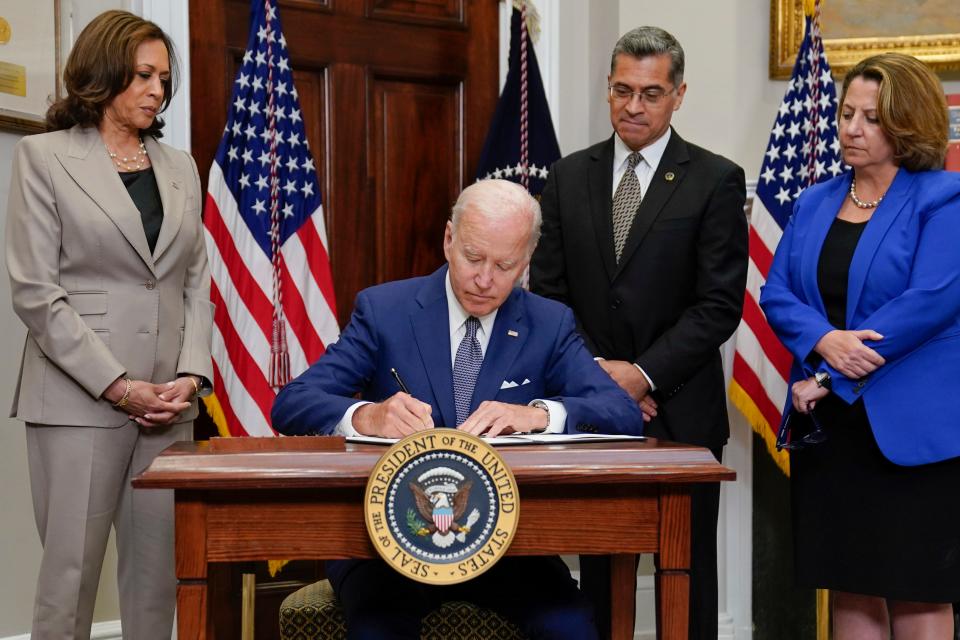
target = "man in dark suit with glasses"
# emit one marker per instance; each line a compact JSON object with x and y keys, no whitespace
{"x":644,"y":236}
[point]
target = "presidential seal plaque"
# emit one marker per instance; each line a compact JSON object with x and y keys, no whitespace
{"x":441,"y":506}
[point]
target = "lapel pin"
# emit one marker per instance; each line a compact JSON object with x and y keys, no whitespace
{"x":669,"y":176}
{"x":512,"y":333}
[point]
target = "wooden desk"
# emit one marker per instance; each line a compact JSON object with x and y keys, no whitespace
{"x":619,"y":499}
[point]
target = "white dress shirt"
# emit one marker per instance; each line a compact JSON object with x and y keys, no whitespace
{"x":457,"y":322}
{"x":652,"y":153}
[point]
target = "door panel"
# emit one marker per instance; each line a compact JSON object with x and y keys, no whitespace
{"x":408,"y":114}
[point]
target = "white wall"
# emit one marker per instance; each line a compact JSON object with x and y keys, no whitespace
{"x":730,"y":103}
{"x":18,"y":535}
{"x":587,"y":33}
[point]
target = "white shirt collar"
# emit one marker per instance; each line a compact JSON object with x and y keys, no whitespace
{"x":651,"y":153}
{"x":458,"y":316}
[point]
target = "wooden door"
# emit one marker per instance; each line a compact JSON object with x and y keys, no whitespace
{"x":397,"y":96}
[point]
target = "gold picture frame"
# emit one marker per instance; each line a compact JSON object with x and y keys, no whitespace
{"x":30,"y":63}
{"x":941,"y":51}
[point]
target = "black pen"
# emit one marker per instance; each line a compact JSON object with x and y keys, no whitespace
{"x":396,"y":376}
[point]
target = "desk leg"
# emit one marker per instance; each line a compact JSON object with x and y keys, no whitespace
{"x":623,"y":596}
{"x":193,"y":619}
{"x":673,"y":563}
{"x":192,"y":611}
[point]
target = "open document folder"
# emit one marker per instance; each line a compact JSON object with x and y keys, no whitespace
{"x":523,"y":438}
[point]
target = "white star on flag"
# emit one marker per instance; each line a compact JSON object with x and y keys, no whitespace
{"x":791,"y":163}
{"x":265,"y":236}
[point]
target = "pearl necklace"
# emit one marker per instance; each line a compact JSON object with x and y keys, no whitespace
{"x":860,"y":203}
{"x":127,"y":164}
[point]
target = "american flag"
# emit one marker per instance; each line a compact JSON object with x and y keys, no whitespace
{"x":521,"y":143}
{"x":266,"y":240}
{"x":804,"y":149}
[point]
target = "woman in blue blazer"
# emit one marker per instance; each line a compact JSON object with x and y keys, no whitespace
{"x":865,"y":293}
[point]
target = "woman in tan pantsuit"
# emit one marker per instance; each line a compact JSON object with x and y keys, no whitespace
{"x":108,"y":271}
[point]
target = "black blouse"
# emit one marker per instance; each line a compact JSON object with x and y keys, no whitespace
{"x":834,"y":268}
{"x":143,"y":190}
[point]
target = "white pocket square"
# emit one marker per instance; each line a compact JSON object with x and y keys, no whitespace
{"x":508,"y":384}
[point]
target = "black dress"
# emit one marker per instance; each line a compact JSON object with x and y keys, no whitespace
{"x":862,"y":524}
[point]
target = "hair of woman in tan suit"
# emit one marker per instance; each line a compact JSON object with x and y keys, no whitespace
{"x":108,"y":271}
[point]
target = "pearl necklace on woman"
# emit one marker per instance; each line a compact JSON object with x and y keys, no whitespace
{"x":860,"y":203}
{"x":129,"y":164}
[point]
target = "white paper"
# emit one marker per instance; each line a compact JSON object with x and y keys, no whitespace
{"x":522,"y":438}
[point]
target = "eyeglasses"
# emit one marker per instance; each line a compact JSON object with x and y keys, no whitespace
{"x":817,"y":435}
{"x":652,"y":96}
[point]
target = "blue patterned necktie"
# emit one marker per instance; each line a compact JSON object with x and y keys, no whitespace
{"x":466,"y":366}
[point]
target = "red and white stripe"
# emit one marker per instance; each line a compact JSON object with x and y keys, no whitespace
{"x":242,"y":289}
{"x":761,"y":365}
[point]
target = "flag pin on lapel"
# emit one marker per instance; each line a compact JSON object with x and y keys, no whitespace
{"x":512,"y":333}
{"x":669,"y":176}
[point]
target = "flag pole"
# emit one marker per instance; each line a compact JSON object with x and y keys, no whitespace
{"x":279,"y":367}
{"x":823,"y":595}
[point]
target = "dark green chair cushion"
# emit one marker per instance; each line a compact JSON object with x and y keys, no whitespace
{"x":313,"y":613}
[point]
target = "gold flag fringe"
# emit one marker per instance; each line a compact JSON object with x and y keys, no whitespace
{"x":215,"y":411}
{"x":742,"y":401}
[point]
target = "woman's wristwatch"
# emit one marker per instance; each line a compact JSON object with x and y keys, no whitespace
{"x":822,"y":378}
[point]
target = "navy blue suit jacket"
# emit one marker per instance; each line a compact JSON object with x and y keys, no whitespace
{"x":405,"y":325}
{"x":904,"y":283}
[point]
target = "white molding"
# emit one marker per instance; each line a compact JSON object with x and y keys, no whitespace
{"x":506,"y":7}
{"x":548,"y":55}
{"x":173,"y":16}
{"x":645,"y":627}
{"x":735,"y":529}
{"x":109,"y":630}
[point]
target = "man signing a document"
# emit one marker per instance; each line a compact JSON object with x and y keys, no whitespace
{"x":476,"y":353}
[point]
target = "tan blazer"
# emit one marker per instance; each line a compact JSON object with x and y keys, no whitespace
{"x":96,"y":303}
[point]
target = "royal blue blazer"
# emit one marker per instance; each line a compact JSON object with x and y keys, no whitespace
{"x":534,"y":352}
{"x":904,"y":283}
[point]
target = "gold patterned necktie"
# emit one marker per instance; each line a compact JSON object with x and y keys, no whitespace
{"x":626,"y":201}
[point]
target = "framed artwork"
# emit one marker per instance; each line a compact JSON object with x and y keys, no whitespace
{"x":953,"y":137}
{"x":855,"y":29}
{"x":29,"y":62}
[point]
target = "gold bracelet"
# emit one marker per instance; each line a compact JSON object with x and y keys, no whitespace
{"x":196,"y":387}
{"x":122,"y":402}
